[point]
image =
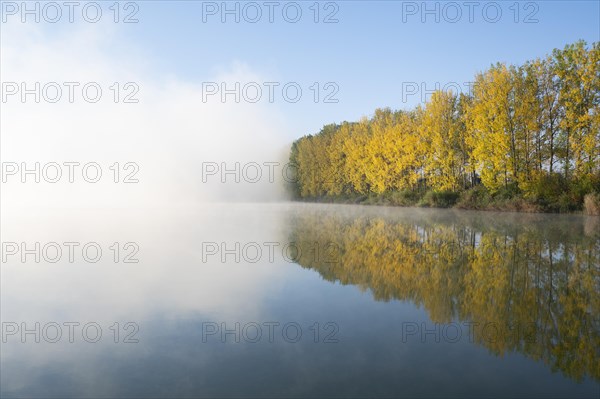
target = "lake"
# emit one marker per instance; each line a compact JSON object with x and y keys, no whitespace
{"x":300,"y":300}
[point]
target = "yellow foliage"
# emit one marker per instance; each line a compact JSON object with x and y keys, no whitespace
{"x":518,"y":124}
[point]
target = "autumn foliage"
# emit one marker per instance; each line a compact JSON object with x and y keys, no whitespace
{"x":521,"y":128}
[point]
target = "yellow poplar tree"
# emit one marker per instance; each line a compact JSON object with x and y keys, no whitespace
{"x":440,"y":127}
{"x":488,"y":126}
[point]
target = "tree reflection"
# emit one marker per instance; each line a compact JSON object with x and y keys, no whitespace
{"x":535,"y":277}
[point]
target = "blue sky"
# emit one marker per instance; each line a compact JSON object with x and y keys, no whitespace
{"x":372,"y":49}
{"x":371,"y":53}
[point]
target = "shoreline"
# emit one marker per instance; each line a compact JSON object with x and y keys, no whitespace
{"x":512,"y":205}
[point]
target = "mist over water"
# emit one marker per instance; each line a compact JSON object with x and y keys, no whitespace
{"x":169,"y":133}
{"x":330,"y":265}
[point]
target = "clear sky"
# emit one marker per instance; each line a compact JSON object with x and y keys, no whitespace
{"x":376,"y":53}
{"x":374,"y":50}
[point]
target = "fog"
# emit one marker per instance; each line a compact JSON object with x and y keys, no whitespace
{"x":162,"y":141}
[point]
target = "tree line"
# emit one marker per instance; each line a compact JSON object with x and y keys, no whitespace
{"x":530,"y":131}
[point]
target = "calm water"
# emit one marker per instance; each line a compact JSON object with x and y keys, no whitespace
{"x":295,"y":300}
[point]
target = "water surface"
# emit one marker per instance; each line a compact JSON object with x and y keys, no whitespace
{"x":299,"y":300}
